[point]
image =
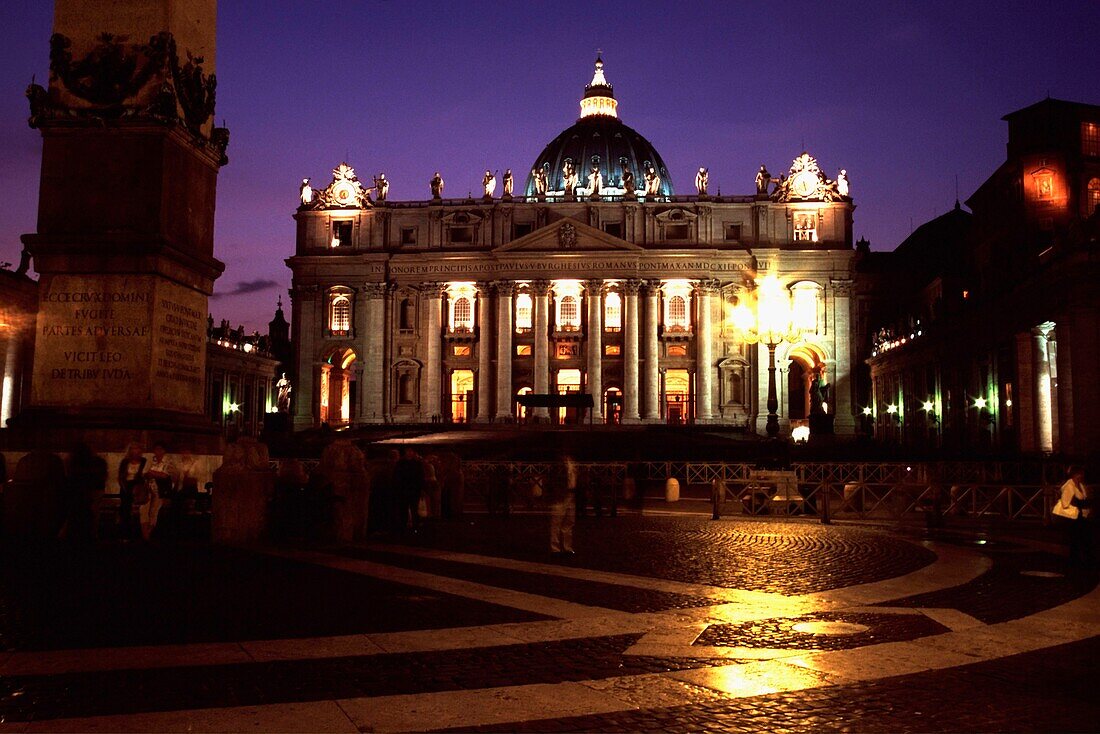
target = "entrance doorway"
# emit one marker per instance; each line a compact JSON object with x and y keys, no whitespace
{"x":613,"y":406}
{"x":339,"y":389}
{"x":569,"y":381}
{"x":462,"y":395}
{"x":521,"y":410}
{"x":678,"y":396}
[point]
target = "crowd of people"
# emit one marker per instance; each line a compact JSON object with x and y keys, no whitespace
{"x":153,"y":491}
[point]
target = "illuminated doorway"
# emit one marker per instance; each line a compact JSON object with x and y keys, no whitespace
{"x":678,"y":396}
{"x":462,"y":395}
{"x":521,"y":410}
{"x":569,"y":382}
{"x":613,"y":406}
{"x":338,"y":388}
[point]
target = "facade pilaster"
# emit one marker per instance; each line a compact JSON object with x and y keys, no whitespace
{"x":844,"y":408}
{"x":504,"y":290}
{"x":307,"y":322}
{"x":371,"y":335}
{"x":652,"y":374}
{"x":541,"y":291}
{"x":704,"y":354}
{"x":484,"y":353}
{"x":431,"y":398}
{"x":630,"y":352}
{"x":593,"y":291}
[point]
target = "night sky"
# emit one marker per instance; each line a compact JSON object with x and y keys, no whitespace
{"x":903,"y":96}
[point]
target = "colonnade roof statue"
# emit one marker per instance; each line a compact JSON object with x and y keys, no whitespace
{"x":599,"y":139}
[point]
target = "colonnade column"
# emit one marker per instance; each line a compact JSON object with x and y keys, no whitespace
{"x":652,"y":373}
{"x":372,"y":339}
{"x":504,"y":290}
{"x":593,"y":291}
{"x":1044,"y":391}
{"x":484,"y":354}
{"x":431,"y":397}
{"x":541,"y":291}
{"x":630,"y":353}
{"x":843,"y":407}
{"x":307,"y":320}
{"x":704,"y":354}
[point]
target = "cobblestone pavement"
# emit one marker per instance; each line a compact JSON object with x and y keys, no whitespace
{"x":657,"y":624}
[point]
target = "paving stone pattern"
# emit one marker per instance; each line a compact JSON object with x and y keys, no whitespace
{"x":23,"y":698}
{"x":1045,"y":691}
{"x":123,"y":595}
{"x":589,"y":593}
{"x":779,"y":633}
{"x":781,"y":557}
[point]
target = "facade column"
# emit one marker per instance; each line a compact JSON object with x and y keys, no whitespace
{"x":504,"y":290}
{"x":1044,"y":393}
{"x":371,"y":333}
{"x":704,"y":354}
{"x":430,"y":397}
{"x":593,"y":292}
{"x":630,"y":353}
{"x":307,"y":320}
{"x":484,"y":354}
{"x":652,"y":374}
{"x":541,"y":291}
{"x":842,"y":407}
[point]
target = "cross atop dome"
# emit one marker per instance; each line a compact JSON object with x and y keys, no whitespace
{"x":599,"y":99}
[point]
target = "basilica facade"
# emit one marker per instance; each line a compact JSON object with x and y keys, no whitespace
{"x":596,"y":277}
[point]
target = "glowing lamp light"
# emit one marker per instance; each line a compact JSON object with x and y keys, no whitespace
{"x":892,"y":409}
{"x":800,"y":434}
{"x":1008,"y":403}
{"x":867,"y":410}
{"x":335,"y":242}
{"x":980,"y":403}
{"x":233,"y":407}
{"x":824,"y":407}
{"x":927,"y":405}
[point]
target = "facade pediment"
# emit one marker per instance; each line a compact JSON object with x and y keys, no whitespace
{"x":568,"y":234}
{"x":461,"y":218}
{"x":676,"y":216}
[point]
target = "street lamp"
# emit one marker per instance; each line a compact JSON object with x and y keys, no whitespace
{"x":770,"y":324}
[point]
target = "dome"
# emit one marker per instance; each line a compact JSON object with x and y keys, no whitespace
{"x":599,"y":138}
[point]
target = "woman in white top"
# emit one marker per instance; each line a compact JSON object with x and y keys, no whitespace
{"x":1075,"y":493}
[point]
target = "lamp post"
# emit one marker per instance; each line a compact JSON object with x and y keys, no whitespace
{"x":770,"y":324}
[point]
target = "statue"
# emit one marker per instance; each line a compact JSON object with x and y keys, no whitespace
{"x":437,"y":186}
{"x":628,"y":183}
{"x":508,"y":183}
{"x":842,"y":182}
{"x":282,"y":399}
{"x":701,"y":180}
{"x":763,"y":178}
{"x":569,"y":177}
{"x":595,"y":181}
{"x":381,"y":186}
{"x":39,"y":100}
{"x":538,"y":178}
{"x":489,"y":183}
{"x":306,"y":192}
{"x":652,"y":181}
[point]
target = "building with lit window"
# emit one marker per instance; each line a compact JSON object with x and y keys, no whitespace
{"x":595,"y":277}
{"x":994,"y":339}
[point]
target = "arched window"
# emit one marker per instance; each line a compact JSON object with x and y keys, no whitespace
{"x":570,"y":320}
{"x":340,"y":315}
{"x":464,"y":315}
{"x":407,"y":317}
{"x":677,"y":311}
{"x":1093,"y":196}
{"x":612,"y":312}
{"x":805,"y":297}
{"x":523,"y":312}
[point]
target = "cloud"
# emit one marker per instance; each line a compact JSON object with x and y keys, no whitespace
{"x":244,"y":287}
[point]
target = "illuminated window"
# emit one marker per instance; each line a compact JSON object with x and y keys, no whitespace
{"x":677,"y":311}
{"x":523,"y":312}
{"x":677,"y":350}
{"x":805,"y":298}
{"x":464,"y":315}
{"x":340,"y":315}
{"x":568,"y":318}
{"x":463,"y":351}
{"x":523,"y":350}
{"x":1093,"y":196}
{"x":612,"y":312}
{"x":1090,"y":138}
{"x":805,"y":227}
{"x":341,"y":234}
{"x":612,"y":350}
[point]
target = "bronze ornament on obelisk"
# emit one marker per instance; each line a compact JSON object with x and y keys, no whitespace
{"x":125,"y":240}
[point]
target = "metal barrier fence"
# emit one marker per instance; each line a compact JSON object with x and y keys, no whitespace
{"x":504,"y":485}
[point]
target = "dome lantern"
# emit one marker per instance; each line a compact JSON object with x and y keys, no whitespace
{"x":599,"y":99}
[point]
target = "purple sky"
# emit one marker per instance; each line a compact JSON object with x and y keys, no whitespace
{"x":904,"y":96}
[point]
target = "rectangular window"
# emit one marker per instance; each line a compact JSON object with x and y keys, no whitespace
{"x":522,"y":229}
{"x":733,"y":232}
{"x":1090,"y":138}
{"x":568,"y":349}
{"x":341,"y":234}
{"x":462,"y":351}
{"x":677,"y":350}
{"x":615,"y":229}
{"x":612,"y":350}
{"x":461,"y":235}
{"x":408,"y":236}
{"x":805,"y":227}
{"x":677,"y":231}
{"x":523,"y":350}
